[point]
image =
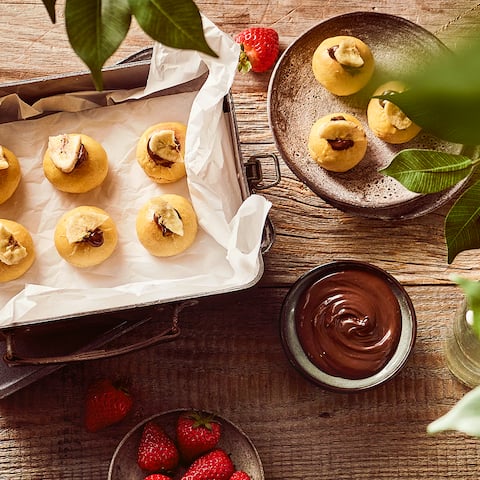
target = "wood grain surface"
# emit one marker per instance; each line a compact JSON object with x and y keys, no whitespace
{"x":229,"y":357}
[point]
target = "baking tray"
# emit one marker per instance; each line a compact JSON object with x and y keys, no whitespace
{"x":39,"y":341}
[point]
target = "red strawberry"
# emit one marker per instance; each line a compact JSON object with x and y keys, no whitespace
{"x":106,"y":403}
{"x":259,"y":49}
{"x":156,"y":450}
{"x":157,"y":476}
{"x":240,"y":475}
{"x":197,"y":433}
{"x":214,"y":465}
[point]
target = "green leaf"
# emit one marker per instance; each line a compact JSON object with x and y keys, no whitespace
{"x":50,"y":6}
{"x":428,"y":171}
{"x":471,"y":289}
{"x":462,"y":224}
{"x":442,"y":113}
{"x":174,"y":23}
{"x":96,"y":28}
{"x":444,"y":97}
{"x":463,"y":417}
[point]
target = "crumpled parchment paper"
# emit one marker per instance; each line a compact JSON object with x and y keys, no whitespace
{"x":225,"y":255}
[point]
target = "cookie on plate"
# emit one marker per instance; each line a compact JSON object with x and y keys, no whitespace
{"x":166,"y":225}
{"x":337,"y":142}
{"x":386,"y":120}
{"x":75,"y":163}
{"x":10,"y":174}
{"x":161,"y":152}
{"x":343,"y":64}
{"x":85,"y":236}
{"x":17,"y":252}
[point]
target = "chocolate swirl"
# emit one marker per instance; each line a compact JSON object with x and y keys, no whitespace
{"x":94,"y":238}
{"x":349,"y":324}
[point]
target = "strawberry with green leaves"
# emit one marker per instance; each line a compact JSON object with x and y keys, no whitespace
{"x":214,"y":465}
{"x":197,"y":433}
{"x":106,"y":403}
{"x":259,"y":49}
{"x":156,"y":451}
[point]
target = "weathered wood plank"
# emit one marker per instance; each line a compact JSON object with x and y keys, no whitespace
{"x":229,"y":357}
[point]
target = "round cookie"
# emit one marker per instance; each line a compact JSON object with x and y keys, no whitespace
{"x":17,"y":252}
{"x":10,"y":174}
{"x":386,"y":120}
{"x":164,"y":162}
{"x":343,"y":64}
{"x":85,"y":236}
{"x":88,"y":173}
{"x":166,"y":225}
{"x":337,"y":142}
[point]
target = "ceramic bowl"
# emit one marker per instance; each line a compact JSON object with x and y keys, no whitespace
{"x":233,"y":440}
{"x":294,"y":347}
{"x":296,"y":100}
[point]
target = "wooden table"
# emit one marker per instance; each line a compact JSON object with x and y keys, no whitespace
{"x":229,"y":357}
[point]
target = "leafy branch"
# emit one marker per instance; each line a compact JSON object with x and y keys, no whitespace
{"x":464,"y":416}
{"x":96,"y":28}
{"x":444,"y":99}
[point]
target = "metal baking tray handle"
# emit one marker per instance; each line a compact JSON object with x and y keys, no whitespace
{"x":167,"y":335}
{"x":254,"y":172}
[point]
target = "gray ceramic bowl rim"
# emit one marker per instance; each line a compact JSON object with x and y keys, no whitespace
{"x":260,"y":475}
{"x":299,"y":359}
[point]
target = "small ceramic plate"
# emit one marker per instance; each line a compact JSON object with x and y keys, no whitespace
{"x":233,"y":440}
{"x":296,"y":100}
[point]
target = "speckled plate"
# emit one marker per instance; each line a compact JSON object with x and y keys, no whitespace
{"x":296,"y":100}
{"x":233,"y":440}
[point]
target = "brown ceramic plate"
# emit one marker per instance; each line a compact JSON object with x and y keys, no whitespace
{"x":296,"y":100}
{"x":233,"y":440}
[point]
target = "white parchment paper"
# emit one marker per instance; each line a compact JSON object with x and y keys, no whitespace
{"x":225,"y":255}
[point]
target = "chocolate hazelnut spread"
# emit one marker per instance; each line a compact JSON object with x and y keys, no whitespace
{"x":82,"y":155}
{"x":349,"y":323}
{"x":95,"y":238}
{"x":158,"y":159}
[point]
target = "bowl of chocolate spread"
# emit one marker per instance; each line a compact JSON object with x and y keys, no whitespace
{"x":348,"y":325}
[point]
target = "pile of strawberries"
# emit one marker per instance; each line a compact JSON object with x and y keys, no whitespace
{"x":161,"y":458}
{"x":195,"y":448}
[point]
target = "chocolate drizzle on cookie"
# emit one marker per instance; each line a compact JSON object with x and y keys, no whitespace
{"x":348,"y":68}
{"x":160,"y":161}
{"x":94,"y":238}
{"x":331,"y":52}
{"x":340,"y":143}
{"x":82,"y":155}
{"x":166,"y":232}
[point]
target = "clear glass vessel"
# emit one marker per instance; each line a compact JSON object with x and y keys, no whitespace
{"x":463,"y":348}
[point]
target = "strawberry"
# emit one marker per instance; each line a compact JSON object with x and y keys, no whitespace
{"x":106,"y":403}
{"x":197,"y":433}
{"x":214,"y":465}
{"x":259,"y":49}
{"x":156,"y":450}
{"x":240,"y":475}
{"x":157,"y":476}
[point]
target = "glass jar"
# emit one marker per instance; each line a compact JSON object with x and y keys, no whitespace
{"x":463,"y":348}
